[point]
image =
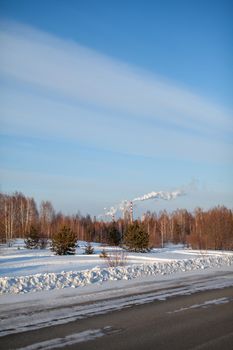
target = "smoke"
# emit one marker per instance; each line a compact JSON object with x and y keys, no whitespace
{"x":122,"y":206}
{"x":111,"y":212}
{"x":125,"y":204}
{"x":160,"y":195}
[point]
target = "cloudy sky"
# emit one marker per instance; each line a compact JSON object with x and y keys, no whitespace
{"x":102,"y":101}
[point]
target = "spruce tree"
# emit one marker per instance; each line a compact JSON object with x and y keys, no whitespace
{"x":114,"y":236}
{"x":32,"y":238}
{"x":89,"y":249}
{"x":64,"y":242}
{"x":136,"y":238}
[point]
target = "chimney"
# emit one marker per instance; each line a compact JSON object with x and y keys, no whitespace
{"x":131,"y":212}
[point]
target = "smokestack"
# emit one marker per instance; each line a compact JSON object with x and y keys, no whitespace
{"x":111,"y":212}
{"x":131,"y":212}
{"x":126,"y":206}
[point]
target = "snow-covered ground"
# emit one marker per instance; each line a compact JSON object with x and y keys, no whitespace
{"x":23,"y":270}
{"x":158,"y":275}
{"x":31,"y":311}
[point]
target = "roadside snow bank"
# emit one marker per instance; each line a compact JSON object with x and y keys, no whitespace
{"x":48,"y":281}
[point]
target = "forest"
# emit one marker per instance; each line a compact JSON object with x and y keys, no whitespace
{"x":201,"y":229}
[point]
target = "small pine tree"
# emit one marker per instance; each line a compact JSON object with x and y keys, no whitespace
{"x":136,"y":238}
{"x":89,"y":249}
{"x":64,"y":242}
{"x":103,"y":254}
{"x":32,"y":238}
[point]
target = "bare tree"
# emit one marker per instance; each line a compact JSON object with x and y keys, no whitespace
{"x":47,"y":215}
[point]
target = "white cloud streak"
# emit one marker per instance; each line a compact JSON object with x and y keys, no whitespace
{"x":39,"y":116}
{"x":75,"y":71}
{"x":108,"y":98}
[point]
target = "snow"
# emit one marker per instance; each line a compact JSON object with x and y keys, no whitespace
{"x":74,"y":279}
{"x":39,"y":289}
{"x":207,"y":303}
{"x":23,"y":271}
{"x":68,"y":340}
{"x":25,"y":312}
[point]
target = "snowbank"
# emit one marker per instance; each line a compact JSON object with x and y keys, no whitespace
{"x":74,"y":279}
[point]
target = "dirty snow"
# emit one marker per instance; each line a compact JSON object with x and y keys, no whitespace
{"x":206,"y":304}
{"x":68,"y":340}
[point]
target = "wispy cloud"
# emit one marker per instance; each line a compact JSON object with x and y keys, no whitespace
{"x":39,"y":116}
{"x":96,"y":97}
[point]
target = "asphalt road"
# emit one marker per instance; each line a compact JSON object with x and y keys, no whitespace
{"x":202,"y":320}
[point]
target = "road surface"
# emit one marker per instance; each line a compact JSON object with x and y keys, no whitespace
{"x":203,"y":320}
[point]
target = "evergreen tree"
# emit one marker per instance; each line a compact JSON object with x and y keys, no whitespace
{"x":89,"y":249}
{"x":32,"y":238}
{"x":43,"y":242}
{"x":114,"y":236}
{"x":64,"y":242}
{"x":103,"y":254}
{"x":136,"y":238}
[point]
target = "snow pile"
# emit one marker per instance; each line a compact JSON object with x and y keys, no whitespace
{"x":74,"y":279}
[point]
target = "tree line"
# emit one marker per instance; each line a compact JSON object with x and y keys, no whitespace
{"x":201,"y":229}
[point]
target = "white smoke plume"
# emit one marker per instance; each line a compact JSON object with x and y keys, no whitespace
{"x":125,"y":204}
{"x":111,"y":212}
{"x":160,"y":195}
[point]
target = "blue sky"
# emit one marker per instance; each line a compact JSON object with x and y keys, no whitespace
{"x":102,"y":101}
